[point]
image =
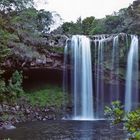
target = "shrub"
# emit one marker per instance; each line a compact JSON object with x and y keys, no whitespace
{"x":115,"y":112}
{"x":14,"y":89}
{"x":132,"y":124}
{"x":131,"y":120}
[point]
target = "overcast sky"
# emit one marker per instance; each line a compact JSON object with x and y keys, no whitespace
{"x":70,"y":10}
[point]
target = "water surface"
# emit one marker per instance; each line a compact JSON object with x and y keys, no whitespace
{"x":64,"y":130}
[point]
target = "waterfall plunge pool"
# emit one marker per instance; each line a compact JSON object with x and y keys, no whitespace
{"x":65,"y":130}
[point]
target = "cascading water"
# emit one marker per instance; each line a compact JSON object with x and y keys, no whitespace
{"x":100,"y":77}
{"x":107,"y":69}
{"x":82,"y":78}
{"x":65,"y":76}
{"x":131,"y":93}
{"x":114,"y":75}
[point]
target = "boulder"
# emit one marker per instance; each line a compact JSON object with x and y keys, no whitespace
{"x":8,"y":126}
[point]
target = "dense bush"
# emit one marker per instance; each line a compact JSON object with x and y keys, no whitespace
{"x":133,"y":124}
{"x":2,"y":88}
{"x":18,"y":17}
{"x":15,"y":85}
{"x":115,"y":112}
{"x":13,"y":89}
{"x":131,"y":120}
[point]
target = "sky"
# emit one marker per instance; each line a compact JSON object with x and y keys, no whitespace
{"x":70,"y":10}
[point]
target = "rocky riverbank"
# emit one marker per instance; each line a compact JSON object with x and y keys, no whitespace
{"x":23,"y":111}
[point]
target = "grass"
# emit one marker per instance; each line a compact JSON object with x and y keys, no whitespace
{"x":47,"y":96}
{"x":57,"y":49}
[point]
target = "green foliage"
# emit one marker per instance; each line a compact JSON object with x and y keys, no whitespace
{"x":2,"y":90}
{"x":25,"y":19}
{"x":5,"y":117}
{"x":115,"y":112}
{"x":57,"y":49}
{"x":20,"y":15}
{"x":44,"y":20}
{"x":14,"y":5}
{"x":6,"y":37}
{"x":133,"y":124}
{"x":3,"y":54}
{"x":98,"y":27}
{"x":111,"y":23}
{"x":132,"y":119}
{"x":69,"y":28}
{"x":48,"y":96}
{"x":15,"y":85}
{"x":130,"y":18}
{"x":87,"y":24}
{"x":72,"y":28}
{"x":126,"y":20}
{"x":79,"y":28}
{"x":32,"y":20}
{"x":2,"y":21}
{"x":13,"y":90}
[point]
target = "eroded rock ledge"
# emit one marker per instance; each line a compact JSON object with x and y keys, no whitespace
{"x":36,"y":53}
{"x":46,"y":51}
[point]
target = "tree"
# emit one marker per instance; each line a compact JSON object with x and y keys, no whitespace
{"x":32,"y":20}
{"x":87,"y":24}
{"x":15,"y":85}
{"x":3,"y":54}
{"x":98,"y":27}
{"x":78,"y":26}
{"x":69,"y":28}
{"x":111,"y":23}
{"x":115,"y":113}
{"x":130,"y":18}
{"x":44,"y":20}
{"x":134,"y":12}
{"x":14,"y":5}
{"x":133,"y":124}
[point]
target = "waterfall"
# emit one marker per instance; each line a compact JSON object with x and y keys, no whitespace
{"x":82,"y":78}
{"x":114,"y":75}
{"x":100,"y":78}
{"x":65,"y":75}
{"x":108,"y":66}
{"x":131,"y":93}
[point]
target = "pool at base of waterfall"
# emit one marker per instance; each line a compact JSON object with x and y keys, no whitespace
{"x":65,"y":130}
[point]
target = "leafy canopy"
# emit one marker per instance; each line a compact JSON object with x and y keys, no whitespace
{"x":126,"y":20}
{"x":32,"y":20}
{"x":131,"y":120}
{"x":15,"y":5}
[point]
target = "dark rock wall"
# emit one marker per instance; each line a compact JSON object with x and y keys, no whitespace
{"x":41,"y":59}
